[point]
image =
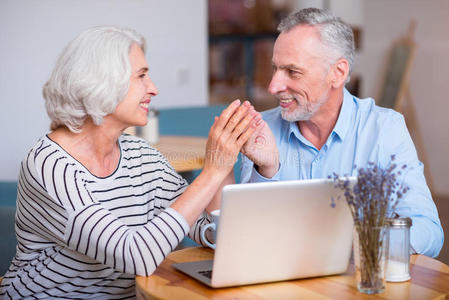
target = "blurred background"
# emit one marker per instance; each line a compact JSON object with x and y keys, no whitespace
{"x":210,"y":52}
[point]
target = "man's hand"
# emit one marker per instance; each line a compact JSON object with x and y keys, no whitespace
{"x":262,"y":150}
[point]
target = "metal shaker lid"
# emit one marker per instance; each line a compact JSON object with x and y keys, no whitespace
{"x":399,"y":222}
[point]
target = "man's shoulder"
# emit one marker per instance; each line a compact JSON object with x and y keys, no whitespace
{"x":368,"y":109}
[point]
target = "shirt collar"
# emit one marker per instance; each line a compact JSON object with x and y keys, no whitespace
{"x":293,"y":130}
{"x":344,"y":118}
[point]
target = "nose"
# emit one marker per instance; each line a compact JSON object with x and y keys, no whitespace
{"x":277,"y":83}
{"x":151,"y":87}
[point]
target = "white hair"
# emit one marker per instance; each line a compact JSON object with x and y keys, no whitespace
{"x":335,"y":34}
{"x":91,"y":76}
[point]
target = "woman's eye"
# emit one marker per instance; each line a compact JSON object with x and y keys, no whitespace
{"x":143,"y":75}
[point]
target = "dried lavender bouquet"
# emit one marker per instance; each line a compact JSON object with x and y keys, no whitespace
{"x":372,"y":199}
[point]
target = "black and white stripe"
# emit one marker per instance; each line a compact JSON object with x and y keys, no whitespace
{"x":81,"y":236}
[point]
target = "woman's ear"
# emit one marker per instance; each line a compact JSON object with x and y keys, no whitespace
{"x":340,"y":71}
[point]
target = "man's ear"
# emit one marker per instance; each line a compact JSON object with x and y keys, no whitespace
{"x":340,"y":71}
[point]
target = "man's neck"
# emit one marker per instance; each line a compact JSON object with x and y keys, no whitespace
{"x":320,"y":126}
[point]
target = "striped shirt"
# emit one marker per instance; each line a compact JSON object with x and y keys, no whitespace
{"x":83,"y":236}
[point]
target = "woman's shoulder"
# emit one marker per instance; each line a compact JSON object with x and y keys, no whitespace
{"x":137,"y":152}
{"x":46,"y":158}
{"x":44,"y":149}
{"x":133,"y":144}
{"x":135,"y":147}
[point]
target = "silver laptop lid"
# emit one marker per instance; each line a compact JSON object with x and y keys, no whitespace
{"x":281,"y":230}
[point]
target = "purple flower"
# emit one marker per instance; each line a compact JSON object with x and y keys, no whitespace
{"x":374,"y":196}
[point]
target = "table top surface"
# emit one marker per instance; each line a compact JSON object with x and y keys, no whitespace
{"x":430,"y":280}
{"x":184,"y":153}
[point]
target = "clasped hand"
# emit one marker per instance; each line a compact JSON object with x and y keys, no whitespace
{"x":241,"y":129}
{"x":262,"y":150}
{"x":236,"y":124}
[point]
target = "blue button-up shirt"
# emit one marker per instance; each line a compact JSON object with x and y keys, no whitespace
{"x":363,"y":133}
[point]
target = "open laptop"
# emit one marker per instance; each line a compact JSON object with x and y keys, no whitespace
{"x":278,"y":231}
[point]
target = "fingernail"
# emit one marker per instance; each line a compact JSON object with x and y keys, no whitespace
{"x":246,"y":103}
{"x":255,"y":123}
{"x":236,"y":102}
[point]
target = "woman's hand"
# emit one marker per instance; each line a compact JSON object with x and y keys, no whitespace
{"x":228,"y":134}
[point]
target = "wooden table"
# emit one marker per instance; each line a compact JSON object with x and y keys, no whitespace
{"x":184,"y":153}
{"x":430,"y":280}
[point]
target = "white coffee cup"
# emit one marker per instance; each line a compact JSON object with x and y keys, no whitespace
{"x":215,"y":214}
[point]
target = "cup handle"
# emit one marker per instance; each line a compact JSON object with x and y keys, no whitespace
{"x":203,"y":234}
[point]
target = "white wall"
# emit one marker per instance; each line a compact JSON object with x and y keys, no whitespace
{"x":386,"y":20}
{"x":33,"y":33}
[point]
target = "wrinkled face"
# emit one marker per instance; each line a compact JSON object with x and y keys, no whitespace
{"x":133,"y":110}
{"x":301,"y":80}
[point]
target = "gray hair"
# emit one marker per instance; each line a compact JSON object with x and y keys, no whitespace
{"x":335,"y":34}
{"x":91,"y":76}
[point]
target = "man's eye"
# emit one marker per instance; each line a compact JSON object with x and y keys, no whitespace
{"x":142,"y":75}
{"x":293,"y":73}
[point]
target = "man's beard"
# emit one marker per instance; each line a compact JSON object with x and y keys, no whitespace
{"x":304,"y":111}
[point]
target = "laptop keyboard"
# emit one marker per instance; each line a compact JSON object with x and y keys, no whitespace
{"x":207,"y":273}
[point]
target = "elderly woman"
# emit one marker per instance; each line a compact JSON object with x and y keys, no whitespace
{"x":96,"y":207}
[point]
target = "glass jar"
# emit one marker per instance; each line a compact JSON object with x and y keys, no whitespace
{"x":150,"y":132}
{"x":370,"y":256}
{"x":398,"y":265}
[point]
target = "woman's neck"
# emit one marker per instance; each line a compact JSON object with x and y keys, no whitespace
{"x":95,"y":147}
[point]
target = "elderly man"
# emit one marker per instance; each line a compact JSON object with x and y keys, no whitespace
{"x":320,"y":128}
